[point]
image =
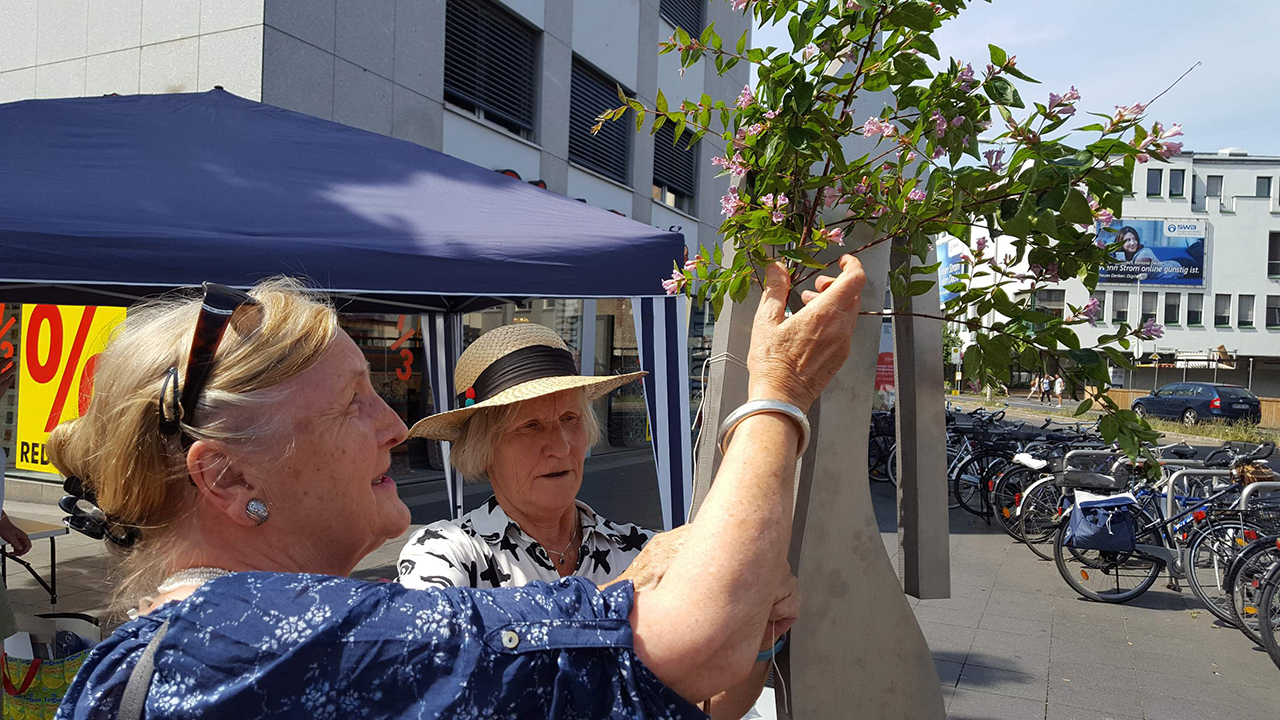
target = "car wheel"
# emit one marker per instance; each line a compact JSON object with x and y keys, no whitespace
{"x":1189,"y":416}
{"x":1140,"y":409}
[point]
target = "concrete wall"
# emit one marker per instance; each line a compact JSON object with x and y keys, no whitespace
{"x":76,"y":48}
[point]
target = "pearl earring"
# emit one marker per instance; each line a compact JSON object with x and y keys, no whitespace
{"x":256,"y":510}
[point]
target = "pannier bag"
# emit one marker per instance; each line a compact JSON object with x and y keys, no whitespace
{"x":1101,"y":522}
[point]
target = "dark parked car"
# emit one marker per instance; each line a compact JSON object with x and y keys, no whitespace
{"x":1191,"y":402}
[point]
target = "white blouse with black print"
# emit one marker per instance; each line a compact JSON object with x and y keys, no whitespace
{"x":487,"y":549}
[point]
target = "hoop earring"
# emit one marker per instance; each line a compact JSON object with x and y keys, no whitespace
{"x":257,"y":511}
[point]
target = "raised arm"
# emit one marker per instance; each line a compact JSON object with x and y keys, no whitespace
{"x":700,"y":629}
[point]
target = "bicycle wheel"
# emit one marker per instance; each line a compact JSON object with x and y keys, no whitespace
{"x":952,"y":454}
{"x":1244,"y":580}
{"x":967,"y":486}
{"x":1006,"y":495}
{"x":1269,"y":613}
{"x":1110,"y":577}
{"x":1038,"y":516}
{"x":1209,"y":553}
{"x":891,"y":466}
{"x":878,"y":455}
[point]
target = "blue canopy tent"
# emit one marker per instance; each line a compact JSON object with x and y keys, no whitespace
{"x":106,"y":200}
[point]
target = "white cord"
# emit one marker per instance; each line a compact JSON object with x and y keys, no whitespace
{"x":777,"y":672}
{"x":702,"y":402}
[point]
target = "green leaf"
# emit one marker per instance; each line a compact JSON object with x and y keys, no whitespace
{"x":998,"y":56}
{"x":1076,"y":209}
{"x":662,"y":101}
{"x":1029,"y":358}
{"x":742,"y":41}
{"x":1002,"y":92}
{"x":1020,"y":75}
{"x":972,"y":362}
{"x":912,"y":67}
{"x":1085,"y":357}
{"x":917,"y":16}
{"x":919,"y":287}
{"x":925,"y":44}
{"x":1081,"y":159}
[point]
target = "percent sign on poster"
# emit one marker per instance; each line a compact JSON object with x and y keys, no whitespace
{"x":60,"y":347}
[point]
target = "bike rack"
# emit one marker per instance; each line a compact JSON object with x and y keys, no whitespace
{"x":1251,"y":488}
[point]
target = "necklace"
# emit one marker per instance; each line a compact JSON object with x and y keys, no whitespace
{"x":191,"y":576}
{"x":561,"y":554}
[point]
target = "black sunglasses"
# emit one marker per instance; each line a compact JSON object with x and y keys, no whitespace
{"x":220,"y":304}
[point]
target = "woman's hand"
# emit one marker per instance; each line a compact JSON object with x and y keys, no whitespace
{"x":13,"y":535}
{"x":793,"y":358}
{"x":647,"y":569}
{"x":784,"y":612}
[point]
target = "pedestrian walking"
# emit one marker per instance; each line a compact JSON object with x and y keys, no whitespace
{"x":1058,"y":385}
{"x":1046,"y":386}
{"x":1035,"y":387}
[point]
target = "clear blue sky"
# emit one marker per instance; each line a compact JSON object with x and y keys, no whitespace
{"x":1117,"y":52}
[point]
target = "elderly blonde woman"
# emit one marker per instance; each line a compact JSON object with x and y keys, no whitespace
{"x":525,"y":428}
{"x":242,"y":476}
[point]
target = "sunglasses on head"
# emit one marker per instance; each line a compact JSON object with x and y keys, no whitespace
{"x":178,"y":403}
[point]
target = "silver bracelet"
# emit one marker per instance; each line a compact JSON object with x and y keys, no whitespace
{"x":755,"y":407}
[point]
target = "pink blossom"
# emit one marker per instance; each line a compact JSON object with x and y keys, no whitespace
{"x":980,"y":245}
{"x":740,"y":4}
{"x":1048,"y":274}
{"x":830,"y":196}
{"x":1169,"y":149}
{"x":994,"y":159}
{"x":1129,"y":112}
{"x":692,"y":264}
{"x":910,"y":156}
{"x":777,"y":216}
{"x":965,"y":78}
{"x":937,"y":153}
{"x":957,"y":121}
{"x":676,"y":282}
{"x":745,"y":98}
{"x":939,"y":123}
{"x":1150,"y":330}
{"x":916,"y":195}
{"x":834,"y":235}
{"x":862,"y":188}
{"x":965,"y":257}
{"x":771,"y":114}
{"x":878,"y":211}
{"x":1091,"y":311}
{"x":731,"y":204}
{"x":809,"y":51}
{"x":1104,"y":216}
{"x":1143,"y":158}
{"x":1013,"y":61}
{"x":756,"y":129}
{"x":876,"y":126}
{"x":1172,"y":132}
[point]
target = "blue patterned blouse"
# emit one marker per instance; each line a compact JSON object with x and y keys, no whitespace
{"x":273,"y":645}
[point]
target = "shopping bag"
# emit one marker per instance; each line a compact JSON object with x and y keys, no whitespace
{"x":1102,"y":522}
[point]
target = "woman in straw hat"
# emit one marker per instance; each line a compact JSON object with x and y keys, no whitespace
{"x":243,"y":477}
{"x":525,"y":426}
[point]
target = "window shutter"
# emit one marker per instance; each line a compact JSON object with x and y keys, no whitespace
{"x":674,"y":166}
{"x":489,"y":61}
{"x":590,"y":94}
{"x":683,"y":13}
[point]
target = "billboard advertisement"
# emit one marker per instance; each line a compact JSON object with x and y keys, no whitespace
{"x":949,"y":254}
{"x":1164,"y":252}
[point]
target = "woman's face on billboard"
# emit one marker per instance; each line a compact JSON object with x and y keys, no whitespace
{"x":1130,"y":242}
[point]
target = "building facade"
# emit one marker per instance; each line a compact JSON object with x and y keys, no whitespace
{"x":1206,"y":268}
{"x":512,"y":85}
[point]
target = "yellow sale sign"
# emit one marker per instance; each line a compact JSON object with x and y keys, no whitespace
{"x":60,"y":346}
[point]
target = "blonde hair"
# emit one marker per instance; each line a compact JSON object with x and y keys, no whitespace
{"x":117,"y":450}
{"x":473,"y":451}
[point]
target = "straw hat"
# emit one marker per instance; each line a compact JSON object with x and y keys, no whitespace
{"x":508,"y":365}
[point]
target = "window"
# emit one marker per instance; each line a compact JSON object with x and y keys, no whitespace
{"x":1263,"y":189}
{"x":1244,"y":314}
{"x":1273,"y":254}
{"x":1149,"y":300}
{"x":1154,"y":177}
{"x":683,"y":13}
{"x":606,"y":152}
{"x":1120,"y":306}
{"x":490,"y":59}
{"x":1177,"y":178}
{"x":1195,"y":309}
{"x":1222,"y":310}
{"x":1214,"y":186}
{"x":1053,"y":302}
{"x":1101,"y":297}
{"x":674,"y":168}
{"x":1172,"y":308}
{"x":1273,"y":311}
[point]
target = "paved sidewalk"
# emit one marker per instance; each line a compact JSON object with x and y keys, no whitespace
{"x":1014,"y":642}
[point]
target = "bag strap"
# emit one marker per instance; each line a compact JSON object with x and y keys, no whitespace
{"x":32,"y":671}
{"x":135,"y":692}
